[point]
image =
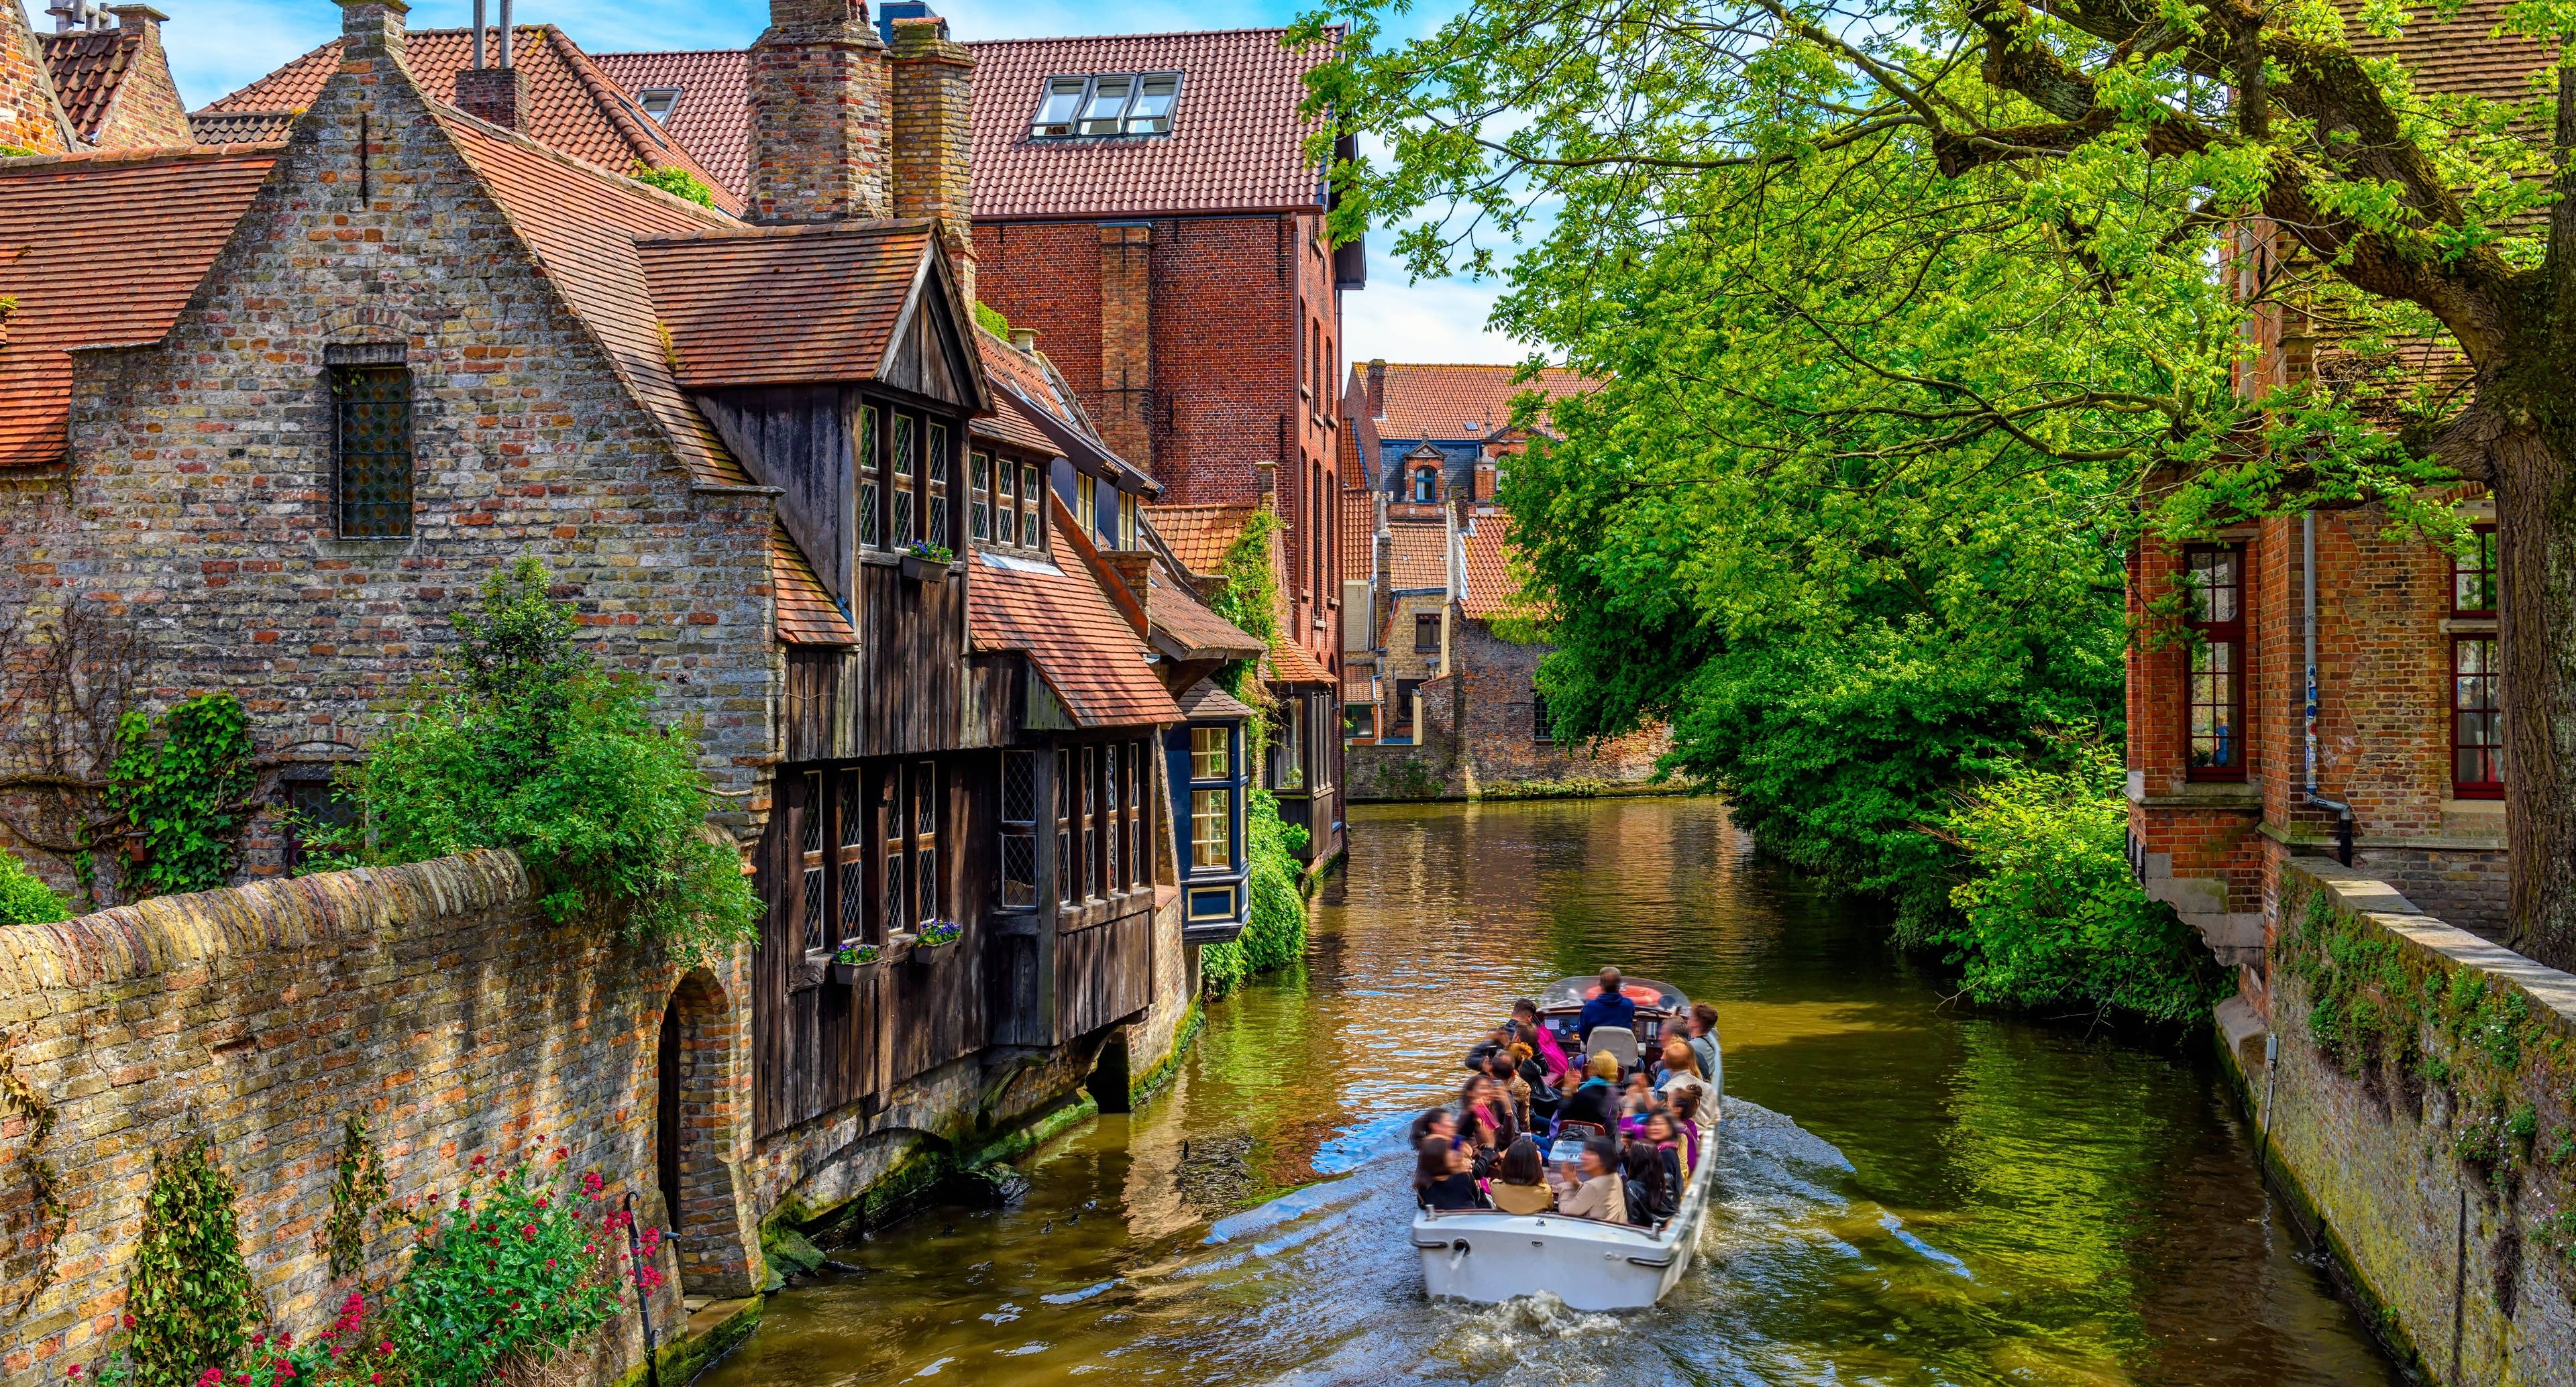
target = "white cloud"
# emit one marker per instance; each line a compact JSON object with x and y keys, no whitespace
{"x":1434,"y":320}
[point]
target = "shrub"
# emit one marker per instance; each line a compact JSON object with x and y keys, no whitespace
{"x":182,"y":785}
{"x":24,"y":900}
{"x":519,"y":1266}
{"x":190,"y":1305}
{"x":1274,"y":935}
{"x":2049,"y":915}
{"x":676,"y":182}
{"x":521,"y":741}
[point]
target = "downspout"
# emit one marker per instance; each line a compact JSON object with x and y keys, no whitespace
{"x":2308,"y":636}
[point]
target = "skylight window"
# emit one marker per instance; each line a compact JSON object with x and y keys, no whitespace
{"x":1105,"y":105}
{"x":658,"y":102}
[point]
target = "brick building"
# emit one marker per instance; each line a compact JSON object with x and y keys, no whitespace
{"x":772,"y":462}
{"x":2323,"y":686}
{"x":100,"y":81}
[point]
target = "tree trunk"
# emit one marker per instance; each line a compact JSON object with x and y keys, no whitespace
{"x":2535,"y":496}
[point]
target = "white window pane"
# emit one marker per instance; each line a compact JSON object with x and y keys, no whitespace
{"x":1056,"y":107}
{"x":1152,"y":113}
{"x":1100,"y":115}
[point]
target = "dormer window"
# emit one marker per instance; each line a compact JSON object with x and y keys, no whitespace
{"x":1106,"y":105}
{"x":658,"y":102}
{"x":1426,"y":484}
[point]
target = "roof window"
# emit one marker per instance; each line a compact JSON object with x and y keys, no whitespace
{"x":658,"y":102}
{"x":1106,"y":104}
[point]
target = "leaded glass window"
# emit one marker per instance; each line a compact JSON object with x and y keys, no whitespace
{"x":371,"y":446}
{"x":1019,"y":828}
{"x":937,"y":489}
{"x":2477,"y":719}
{"x":871,"y":536}
{"x":1032,"y":502}
{"x":979,"y":496}
{"x":907,"y":464}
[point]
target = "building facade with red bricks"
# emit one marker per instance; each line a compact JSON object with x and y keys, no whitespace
{"x":101,"y":80}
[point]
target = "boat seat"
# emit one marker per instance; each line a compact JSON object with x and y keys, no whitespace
{"x":1620,"y":1041}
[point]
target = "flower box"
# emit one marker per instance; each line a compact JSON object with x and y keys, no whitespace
{"x":925,"y":561}
{"x":854,"y":959}
{"x":933,"y":938}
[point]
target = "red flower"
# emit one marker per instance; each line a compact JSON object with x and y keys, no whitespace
{"x":129,"y":1321}
{"x":375,"y":1377}
{"x":285,"y":1339}
{"x":210,"y":1377}
{"x":528,"y":1231}
{"x":75,"y":1369}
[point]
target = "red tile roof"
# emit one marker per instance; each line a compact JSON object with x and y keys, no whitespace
{"x":240,"y":127}
{"x":1435,"y":401}
{"x":789,"y":305}
{"x":1010,"y":423}
{"x":1198,"y":535}
{"x":1486,"y":550}
{"x":572,"y":105}
{"x":806,"y":613}
{"x":1088,"y":654}
{"x":103,"y":249}
{"x":1359,"y":532}
{"x":88,"y":68}
{"x":583,"y":225}
{"x":2456,"y":55}
{"x":1208,"y":699}
{"x":1236,"y":140}
{"x":712,"y":119}
{"x":1289,"y":663}
{"x":1190,"y":625}
{"x":1417,"y":554}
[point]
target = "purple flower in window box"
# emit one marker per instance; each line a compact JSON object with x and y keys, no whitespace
{"x":852,"y":956}
{"x":937,"y":933}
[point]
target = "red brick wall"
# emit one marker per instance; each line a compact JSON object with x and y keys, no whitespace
{"x":25,"y":91}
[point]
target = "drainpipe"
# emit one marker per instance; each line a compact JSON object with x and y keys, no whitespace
{"x":2308,"y":635}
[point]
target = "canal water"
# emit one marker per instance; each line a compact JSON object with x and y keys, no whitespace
{"x":1911,"y":1194}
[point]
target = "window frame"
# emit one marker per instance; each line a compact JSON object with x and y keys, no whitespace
{"x":1226,"y":789}
{"x":1426,"y":622}
{"x":1123,"y":123}
{"x":1407,"y":694}
{"x":938,"y":479}
{"x":1022,"y":829}
{"x":668,"y":98}
{"x":902,"y":482}
{"x":1033,"y":527}
{"x":2211,"y":634}
{"x":1542,"y":723}
{"x":341,"y":379}
{"x":2493,"y":710}
{"x":870,"y":467}
{"x":2483,"y":536}
{"x":979,"y":496}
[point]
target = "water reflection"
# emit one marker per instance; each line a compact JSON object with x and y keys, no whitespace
{"x":1911,"y":1195}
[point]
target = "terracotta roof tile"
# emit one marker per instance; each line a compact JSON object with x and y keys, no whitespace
{"x":240,"y":127}
{"x":1290,"y":663}
{"x":2457,"y":55}
{"x":1433,"y":401}
{"x":88,"y":66}
{"x":572,"y":105}
{"x":1359,"y":532}
{"x":1207,"y":699}
{"x":1088,"y":654}
{"x":1198,"y":535}
{"x":584,"y":225}
{"x":806,"y":613}
{"x":1235,"y":144}
{"x":1179,"y":615}
{"x":164,"y":214}
{"x":785,"y":306}
{"x":1417,"y":554}
{"x":1358,"y":685}
{"x":712,"y":118}
{"x":1486,"y":551}
{"x":1009,"y":423}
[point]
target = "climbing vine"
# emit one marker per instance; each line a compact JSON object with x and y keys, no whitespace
{"x":45,"y":1205}
{"x":182,"y":785}
{"x":190,"y":1303}
{"x":1250,"y":599}
{"x":2411,"y":1026}
{"x":358,"y":1192}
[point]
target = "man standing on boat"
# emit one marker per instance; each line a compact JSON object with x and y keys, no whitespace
{"x":1610,"y":1007}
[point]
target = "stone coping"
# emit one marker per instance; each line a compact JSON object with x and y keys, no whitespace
{"x":164,"y":934}
{"x":2384,"y":906}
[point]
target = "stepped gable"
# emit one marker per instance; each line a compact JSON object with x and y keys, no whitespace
{"x":572,"y":105}
{"x":1056,"y":614}
{"x":711,"y":117}
{"x":165,"y":214}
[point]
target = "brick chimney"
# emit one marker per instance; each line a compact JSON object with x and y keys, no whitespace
{"x":932,"y":79}
{"x":1377,"y":388}
{"x":30,"y":117}
{"x":818,"y":114}
{"x":372,"y":28}
{"x":1127,"y":341}
{"x":496,"y":94}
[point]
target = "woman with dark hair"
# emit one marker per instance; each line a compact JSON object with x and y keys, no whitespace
{"x":1685,"y":1112}
{"x":1596,"y":1195}
{"x":1443,"y":1178}
{"x":1551,"y":1056}
{"x":1482,"y":1105}
{"x":1649,"y":1199}
{"x":1520,"y":1181}
{"x":1664,"y":1134}
{"x":1437,"y":1122}
{"x":1504,"y":1069}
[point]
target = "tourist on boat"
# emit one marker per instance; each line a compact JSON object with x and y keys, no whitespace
{"x":1681,"y":1069}
{"x":1505,"y":1072}
{"x":1596,"y":1194}
{"x":1595,"y":1100}
{"x":1491,"y":1106}
{"x":1520,"y":1183}
{"x":1636,"y":1099}
{"x":1664,"y":1133}
{"x":1542,"y":1041}
{"x":1703,"y":1041}
{"x":1439,"y":1122}
{"x":1444,"y":1177}
{"x":1608,"y":1007}
{"x":1649,"y":1199}
{"x":1495,"y":1042}
{"x":1537,"y":1091}
{"x":1685,"y":1115}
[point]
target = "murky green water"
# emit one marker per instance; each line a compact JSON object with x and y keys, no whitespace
{"x":1911,"y":1195}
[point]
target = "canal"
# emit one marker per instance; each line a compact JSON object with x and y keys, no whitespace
{"x":1912,"y":1193}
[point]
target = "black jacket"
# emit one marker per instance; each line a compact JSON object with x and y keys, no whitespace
{"x":1454,"y":1192}
{"x":1593,"y":1103}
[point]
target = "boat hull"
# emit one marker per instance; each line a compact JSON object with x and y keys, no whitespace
{"x":1488,"y":1257}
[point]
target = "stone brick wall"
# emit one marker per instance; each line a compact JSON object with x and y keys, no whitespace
{"x":1478,"y":732}
{"x":432,"y":1000}
{"x":2446,"y":1253}
{"x":932,"y":81}
{"x":30,"y":119}
{"x":818,"y":108}
{"x":148,"y":112}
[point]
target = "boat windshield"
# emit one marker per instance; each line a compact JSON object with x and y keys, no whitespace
{"x":1569,"y":994}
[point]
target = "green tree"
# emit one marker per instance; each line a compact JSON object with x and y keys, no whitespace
{"x":677,"y":182}
{"x":24,"y":900}
{"x":522,"y":741}
{"x":1978,"y":241}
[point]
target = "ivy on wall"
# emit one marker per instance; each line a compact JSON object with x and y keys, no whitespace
{"x":45,"y":1205}
{"x":181,"y":785}
{"x":191,"y":1302}
{"x":358,"y":1191}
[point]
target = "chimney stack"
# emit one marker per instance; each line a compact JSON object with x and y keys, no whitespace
{"x":1025,"y":338}
{"x":1377,"y":388}
{"x":372,"y":28}
{"x":143,"y":19}
{"x":932,"y":81}
{"x":498,"y":93}
{"x":818,"y":114}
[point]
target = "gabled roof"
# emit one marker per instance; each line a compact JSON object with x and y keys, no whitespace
{"x":1359,"y":533}
{"x":572,"y":105}
{"x":1090,"y":657}
{"x":103,"y":249}
{"x":1187,"y":628}
{"x":240,"y":127}
{"x":584,"y":226}
{"x":1461,"y":402}
{"x":712,"y":118}
{"x":1199,"y":535}
{"x":1205,"y":700}
{"x":787,"y":305}
{"x":92,"y":67}
{"x":1236,"y":143}
{"x":2463,"y":54}
{"x":1291,"y":663}
{"x":1417,"y":556}
{"x":806,"y":613}
{"x":1485,"y":550}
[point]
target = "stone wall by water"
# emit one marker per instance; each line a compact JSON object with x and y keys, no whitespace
{"x":2419,"y":1111}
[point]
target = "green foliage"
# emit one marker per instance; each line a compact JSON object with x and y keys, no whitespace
{"x":991,"y":320}
{"x":26,"y":901}
{"x":521,"y":1265}
{"x":49,"y":1215}
{"x":182,"y":786}
{"x":677,"y":182}
{"x":1274,"y":934}
{"x":523,"y":742}
{"x":190,"y":1305}
{"x":2049,"y":915}
{"x":357,"y":1192}
{"x":1249,"y":598}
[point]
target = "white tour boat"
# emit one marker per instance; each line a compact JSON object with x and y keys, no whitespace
{"x":1488,"y":1256}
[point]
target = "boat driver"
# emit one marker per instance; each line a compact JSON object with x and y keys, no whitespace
{"x":1610,"y":1008}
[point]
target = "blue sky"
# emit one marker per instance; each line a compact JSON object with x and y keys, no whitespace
{"x":218,"y":45}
